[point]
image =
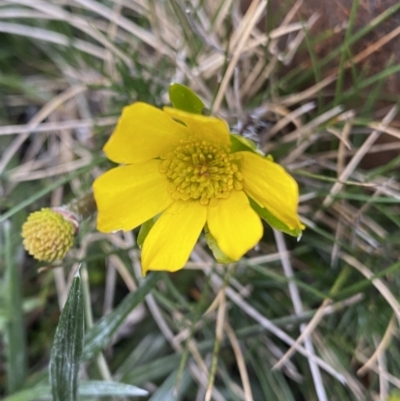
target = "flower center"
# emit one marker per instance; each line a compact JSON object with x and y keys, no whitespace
{"x":200,"y":170}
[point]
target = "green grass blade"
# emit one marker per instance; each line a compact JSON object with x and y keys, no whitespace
{"x":168,"y":392}
{"x":345,"y":52}
{"x":31,"y":394}
{"x":102,"y":332}
{"x":67,"y":347}
{"x":303,"y":76}
{"x":95,"y":388}
{"x":90,"y":388}
{"x":14,"y":329}
{"x":153,"y":370}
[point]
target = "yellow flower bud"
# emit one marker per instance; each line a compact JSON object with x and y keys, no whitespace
{"x":49,"y":234}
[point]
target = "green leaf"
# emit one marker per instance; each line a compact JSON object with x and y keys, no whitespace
{"x":168,"y":391}
{"x":219,"y":256}
{"x":240,"y":143}
{"x":40,"y":392}
{"x":67,"y":347}
{"x":101,"y":334}
{"x":273,"y":221}
{"x":144,"y":230}
{"x":14,"y":319}
{"x":99,"y":388}
{"x":91,"y":388}
{"x":185,"y":99}
{"x":147,"y":349}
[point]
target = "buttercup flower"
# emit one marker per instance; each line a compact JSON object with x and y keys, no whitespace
{"x":180,"y":166}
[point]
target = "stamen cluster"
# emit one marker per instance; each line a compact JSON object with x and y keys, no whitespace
{"x":200,"y":170}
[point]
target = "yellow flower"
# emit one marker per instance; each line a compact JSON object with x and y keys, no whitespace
{"x":179,"y":166}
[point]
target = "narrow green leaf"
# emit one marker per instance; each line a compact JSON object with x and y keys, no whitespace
{"x":67,"y":347}
{"x":185,"y":99}
{"x":91,"y":388}
{"x":148,"y":349}
{"x":37,"y":393}
{"x":273,"y":221}
{"x":100,"y":335}
{"x":144,"y":230}
{"x":154,"y":370}
{"x":219,"y":256}
{"x":345,"y":53}
{"x":14,"y":327}
{"x":354,"y":38}
{"x":183,"y":19}
{"x":240,"y":143}
{"x":168,"y":392}
{"x":99,"y":388}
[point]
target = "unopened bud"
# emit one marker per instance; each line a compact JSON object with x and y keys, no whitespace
{"x":49,"y":234}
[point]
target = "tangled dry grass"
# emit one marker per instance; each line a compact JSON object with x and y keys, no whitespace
{"x":310,"y":320}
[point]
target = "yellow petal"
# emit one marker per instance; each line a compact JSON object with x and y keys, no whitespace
{"x":127,"y":196}
{"x":173,"y":237}
{"x":271,"y":187}
{"x":202,"y":127}
{"x":235,"y":225}
{"x":143,"y":132}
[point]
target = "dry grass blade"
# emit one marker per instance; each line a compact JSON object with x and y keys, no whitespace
{"x":369,"y":50}
{"x":123,"y":22}
{"x":219,"y":335}
{"x":308,"y":128}
{"x":307,"y":93}
{"x":247,"y":29}
{"x":51,"y":37}
{"x":290,"y":117}
{"x":379,"y":284}
{"x":277,"y":331}
{"x":260,"y":74}
{"x":383,"y":383}
{"x":57,"y":126}
{"x":362,"y":151}
{"x":52,"y":11}
{"x":248,"y":395}
{"x":380,"y":348}
{"x":305,"y":331}
{"x":294,"y":44}
{"x":35,"y":121}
